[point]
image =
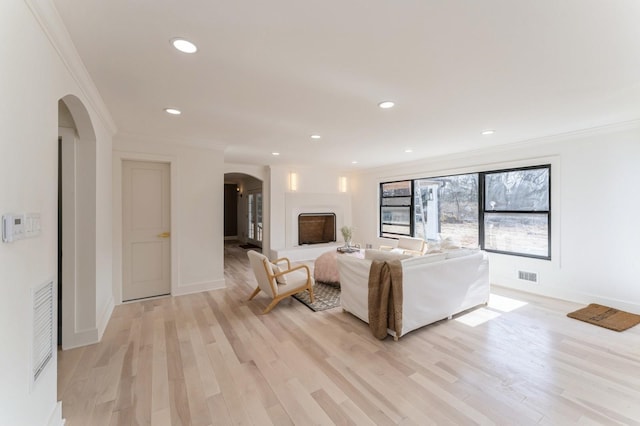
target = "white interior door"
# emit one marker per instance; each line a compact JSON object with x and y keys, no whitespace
{"x":146,"y":225}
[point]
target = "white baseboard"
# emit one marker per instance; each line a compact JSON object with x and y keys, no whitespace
{"x":91,"y":335}
{"x":572,"y":296}
{"x":80,"y":338}
{"x":104,"y":318}
{"x":55,"y":419}
{"x":198,"y":287}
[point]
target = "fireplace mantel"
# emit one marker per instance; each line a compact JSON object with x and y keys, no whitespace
{"x":296,"y":204}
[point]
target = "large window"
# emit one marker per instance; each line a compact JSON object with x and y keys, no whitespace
{"x":448,"y":206}
{"x":517,"y":211}
{"x":504,"y":211}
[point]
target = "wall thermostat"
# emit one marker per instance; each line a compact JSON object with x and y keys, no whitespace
{"x":12,"y":227}
{"x":19,"y":226}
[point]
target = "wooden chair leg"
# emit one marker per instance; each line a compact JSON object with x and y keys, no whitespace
{"x":272,"y":305}
{"x":255,"y":292}
{"x":310,"y":288}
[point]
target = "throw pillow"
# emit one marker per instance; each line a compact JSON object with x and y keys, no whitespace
{"x":281,"y":279}
{"x":449,"y":243}
{"x":433,"y":246}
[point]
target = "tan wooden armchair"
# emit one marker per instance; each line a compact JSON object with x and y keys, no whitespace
{"x":277,"y":281}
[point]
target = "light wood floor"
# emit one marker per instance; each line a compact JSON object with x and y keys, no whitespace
{"x":212,"y":359}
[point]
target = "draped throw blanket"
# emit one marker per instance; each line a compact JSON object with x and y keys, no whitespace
{"x":385,"y":298}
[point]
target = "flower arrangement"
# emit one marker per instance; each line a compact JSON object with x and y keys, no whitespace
{"x":347,"y":233}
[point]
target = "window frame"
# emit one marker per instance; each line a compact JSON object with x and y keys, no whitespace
{"x":481,"y":209}
{"x":385,"y":234}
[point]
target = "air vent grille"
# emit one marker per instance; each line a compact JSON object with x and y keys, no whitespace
{"x":528,"y":276}
{"x":42,"y":328}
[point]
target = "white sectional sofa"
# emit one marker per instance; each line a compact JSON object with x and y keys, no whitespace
{"x":435,"y":286}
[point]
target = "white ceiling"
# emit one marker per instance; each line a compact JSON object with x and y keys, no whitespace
{"x":268,"y":74}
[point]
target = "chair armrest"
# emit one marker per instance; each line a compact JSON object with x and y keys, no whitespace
{"x":283,"y":259}
{"x":295,"y":268}
{"x":281,"y":277}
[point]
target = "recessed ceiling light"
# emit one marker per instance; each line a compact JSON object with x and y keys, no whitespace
{"x":172,"y":111}
{"x":275,"y":153}
{"x":488,"y":132}
{"x":408,"y":150}
{"x":386,"y":104}
{"x":184,"y":46}
{"x":315,"y":136}
{"x":354,"y":162}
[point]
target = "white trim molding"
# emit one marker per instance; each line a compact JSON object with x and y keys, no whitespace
{"x":199,"y":287}
{"x":103,"y":319}
{"x":55,"y":419}
{"x":45,"y":12}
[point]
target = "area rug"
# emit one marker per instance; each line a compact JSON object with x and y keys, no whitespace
{"x":249,"y":246}
{"x":606,"y":317}
{"x":326,"y":296}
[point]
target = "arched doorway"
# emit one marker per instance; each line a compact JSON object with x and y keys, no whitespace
{"x":246,"y":213}
{"x":76,"y":225}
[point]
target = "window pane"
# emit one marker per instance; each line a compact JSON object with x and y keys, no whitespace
{"x":397,"y":201}
{"x":448,"y":206}
{"x":526,"y":190}
{"x":396,"y":215}
{"x":517,"y":233}
{"x":395,"y":229}
{"x":397,"y":189}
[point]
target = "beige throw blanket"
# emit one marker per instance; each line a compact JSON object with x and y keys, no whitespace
{"x":385,"y":298}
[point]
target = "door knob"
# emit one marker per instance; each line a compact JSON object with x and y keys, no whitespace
{"x":164,"y":235}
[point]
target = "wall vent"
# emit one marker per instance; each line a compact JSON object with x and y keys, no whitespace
{"x":42,"y":327}
{"x":528,"y":276}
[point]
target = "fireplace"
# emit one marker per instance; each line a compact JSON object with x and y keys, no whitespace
{"x":316,"y":228}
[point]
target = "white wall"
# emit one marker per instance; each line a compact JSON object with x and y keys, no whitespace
{"x":197,"y":213}
{"x":33,"y":78}
{"x":595,"y":226}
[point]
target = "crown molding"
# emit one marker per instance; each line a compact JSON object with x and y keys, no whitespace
{"x":51,"y":23}
{"x":517,"y":145}
{"x":125,"y":137}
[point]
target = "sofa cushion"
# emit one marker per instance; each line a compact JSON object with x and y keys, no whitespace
{"x":411,"y":243}
{"x":373,"y":254}
{"x":449,"y":243}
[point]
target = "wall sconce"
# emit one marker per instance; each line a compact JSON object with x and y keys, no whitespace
{"x":342,"y":184}
{"x":293,"y":181}
{"x":239,"y":191}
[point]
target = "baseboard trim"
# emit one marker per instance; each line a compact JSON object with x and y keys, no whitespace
{"x":80,"y":338}
{"x":573,"y":296}
{"x":55,"y":419}
{"x":198,"y":287}
{"x":104,"y":318}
